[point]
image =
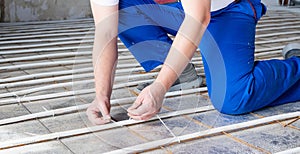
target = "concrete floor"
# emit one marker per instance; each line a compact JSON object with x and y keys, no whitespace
{"x":55,"y":75}
{"x":273,"y":5}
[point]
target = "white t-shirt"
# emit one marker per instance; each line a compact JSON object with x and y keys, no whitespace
{"x":215,"y":4}
{"x":219,"y":4}
{"x":106,"y":2}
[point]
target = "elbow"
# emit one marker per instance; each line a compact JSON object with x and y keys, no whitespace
{"x":193,"y":27}
{"x":201,"y":21}
{"x":198,"y":11}
{"x":206,"y":19}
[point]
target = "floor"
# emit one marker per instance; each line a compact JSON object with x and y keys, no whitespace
{"x":47,"y":83}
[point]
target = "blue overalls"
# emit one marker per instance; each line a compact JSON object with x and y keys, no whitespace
{"x":236,"y":83}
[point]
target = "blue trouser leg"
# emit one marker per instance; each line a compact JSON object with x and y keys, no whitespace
{"x":249,"y":85}
{"x":145,"y":33}
{"x":236,"y":83}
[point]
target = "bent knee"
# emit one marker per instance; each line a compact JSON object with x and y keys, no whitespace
{"x":234,"y":106}
{"x":230,"y":111}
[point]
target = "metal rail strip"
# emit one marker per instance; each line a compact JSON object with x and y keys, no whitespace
{"x":28,"y":99}
{"x":213,"y":131}
{"x":51,"y":136}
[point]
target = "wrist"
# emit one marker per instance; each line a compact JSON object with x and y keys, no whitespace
{"x":103,"y":89}
{"x":168,"y":75}
{"x":163,"y":87}
{"x":102,"y":95}
{"x":102,"y":99}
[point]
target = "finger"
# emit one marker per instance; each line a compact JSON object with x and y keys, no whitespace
{"x":148,"y":116}
{"x":136,"y":104}
{"x":91,"y":108}
{"x":91,"y":111}
{"x":104,"y":111}
{"x":93,"y":116}
{"x":135,"y":117}
{"x":143,"y":117}
{"x":100,"y":121}
{"x":131,"y":115}
{"x":96,"y":120}
{"x":142,"y":109}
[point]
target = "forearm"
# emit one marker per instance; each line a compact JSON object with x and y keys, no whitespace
{"x":177,"y":59}
{"x":185,"y":42}
{"x":179,"y":56}
{"x":104,"y":62}
{"x":105,"y":47}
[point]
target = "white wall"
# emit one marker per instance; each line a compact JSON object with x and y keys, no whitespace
{"x":38,"y":10}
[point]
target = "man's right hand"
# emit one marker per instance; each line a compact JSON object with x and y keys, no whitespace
{"x":102,"y":105}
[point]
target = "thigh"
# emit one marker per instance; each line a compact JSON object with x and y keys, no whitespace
{"x":234,"y":34}
{"x":144,"y":30}
{"x":228,"y":55}
{"x":147,"y":20}
{"x":237,"y":84}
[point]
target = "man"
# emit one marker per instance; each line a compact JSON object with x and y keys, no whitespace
{"x":236,"y":83}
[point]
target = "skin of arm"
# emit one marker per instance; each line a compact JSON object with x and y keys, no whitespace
{"x":104,"y":60}
{"x":197,"y":18}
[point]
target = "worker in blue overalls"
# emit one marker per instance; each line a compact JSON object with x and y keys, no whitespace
{"x":223,"y":30}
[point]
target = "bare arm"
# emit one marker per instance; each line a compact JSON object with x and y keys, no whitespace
{"x":104,"y":59}
{"x":187,"y":40}
{"x":197,"y":17}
